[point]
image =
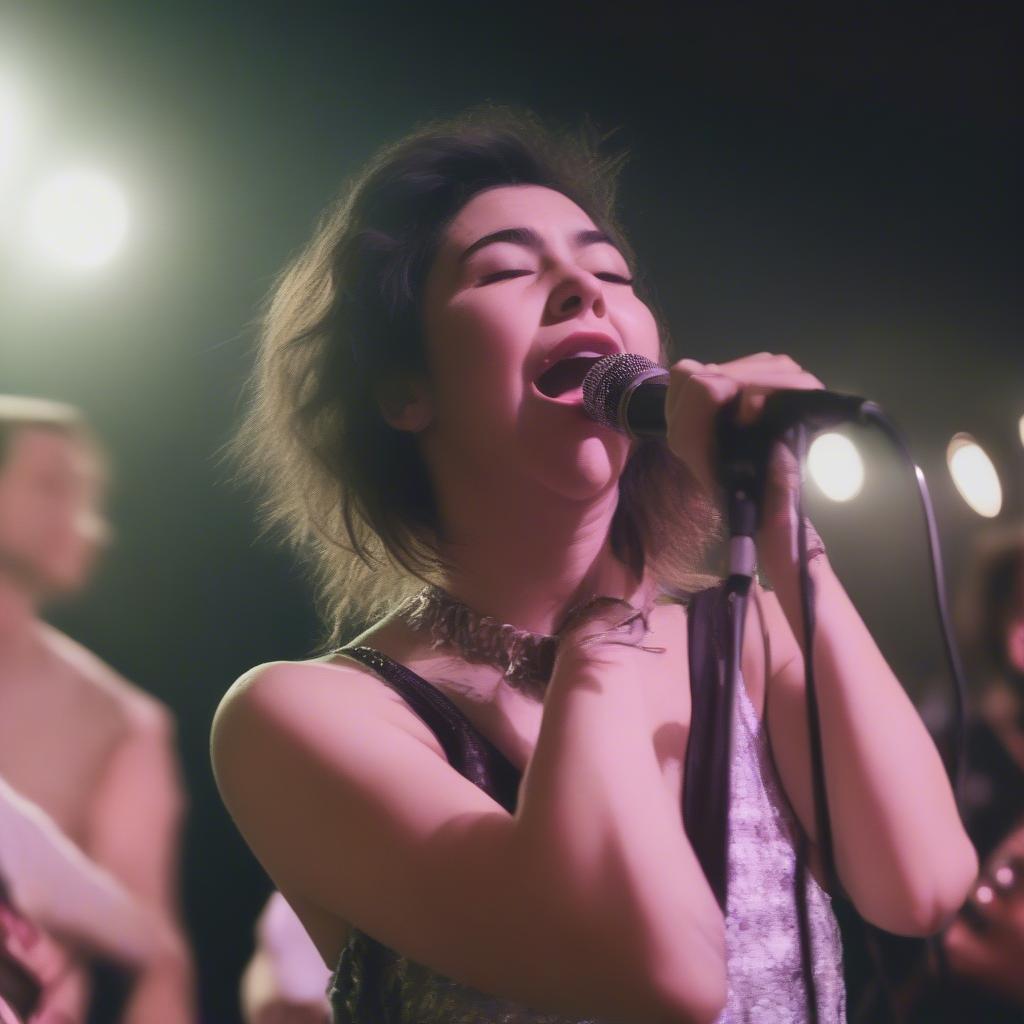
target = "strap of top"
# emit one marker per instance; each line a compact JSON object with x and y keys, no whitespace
{"x":467,"y":750}
{"x":705,"y":805}
{"x":705,"y":786}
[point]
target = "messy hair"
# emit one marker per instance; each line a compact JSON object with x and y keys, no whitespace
{"x":343,"y":321}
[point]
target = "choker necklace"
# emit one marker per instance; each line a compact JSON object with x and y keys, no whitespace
{"x":526,"y":659}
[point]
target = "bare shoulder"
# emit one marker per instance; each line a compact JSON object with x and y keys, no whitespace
{"x":143,"y":712}
{"x":302,"y":697}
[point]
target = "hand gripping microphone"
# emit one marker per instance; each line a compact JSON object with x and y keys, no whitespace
{"x":627,"y":393}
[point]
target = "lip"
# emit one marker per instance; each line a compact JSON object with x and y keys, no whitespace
{"x":579,"y":341}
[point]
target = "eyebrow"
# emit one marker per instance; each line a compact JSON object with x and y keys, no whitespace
{"x":529,"y":238}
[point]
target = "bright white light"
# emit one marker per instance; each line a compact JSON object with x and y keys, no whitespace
{"x":1020,"y":428}
{"x":836,"y":467}
{"x":974,"y":475}
{"x":78,"y":218}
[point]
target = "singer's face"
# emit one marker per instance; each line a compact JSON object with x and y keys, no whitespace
{"x":519,"y":270}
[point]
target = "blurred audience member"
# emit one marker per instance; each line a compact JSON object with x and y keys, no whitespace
{"x":286,"y":980}
{"x":57,"y":908}
{"x":96,"y":753}
{"x":977,"y":973}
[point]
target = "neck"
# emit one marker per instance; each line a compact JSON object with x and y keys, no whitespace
{"x":18,"y":609}
{"x":525,"y":558}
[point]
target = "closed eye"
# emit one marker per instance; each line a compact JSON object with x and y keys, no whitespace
{"x":502,"y":275}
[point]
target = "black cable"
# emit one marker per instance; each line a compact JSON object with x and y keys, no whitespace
{"x":955,"y":764}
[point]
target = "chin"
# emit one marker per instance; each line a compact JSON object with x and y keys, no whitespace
{"x":592,"y":471}
{"x":63,"y":581}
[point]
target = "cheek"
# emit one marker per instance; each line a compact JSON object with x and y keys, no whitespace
{"x":22,"y":517}
{"x":641,"y":329}
{"x":477,"y":348}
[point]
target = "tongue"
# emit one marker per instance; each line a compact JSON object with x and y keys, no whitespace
{"x":565,"y":376}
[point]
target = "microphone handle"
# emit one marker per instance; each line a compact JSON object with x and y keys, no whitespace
{"x":642,"y":410}
{"x":743,"y":451}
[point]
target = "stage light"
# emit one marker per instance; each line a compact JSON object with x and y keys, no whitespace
{"x":974,"y":476}
{"x":836,"y":467}
{"x":78,"y":218}
{"x":1020,"y":429}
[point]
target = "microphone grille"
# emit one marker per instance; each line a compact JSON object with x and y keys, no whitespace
{"x":607,"y":381}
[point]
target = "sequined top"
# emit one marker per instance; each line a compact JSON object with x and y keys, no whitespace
{"x":373,"y":984}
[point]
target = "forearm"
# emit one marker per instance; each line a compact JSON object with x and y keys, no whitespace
{"x":594,"y":805}
{"x":52,"y":882}
{"x":900,"y":849}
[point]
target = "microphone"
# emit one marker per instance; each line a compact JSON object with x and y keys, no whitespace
{"x":627,"y":393}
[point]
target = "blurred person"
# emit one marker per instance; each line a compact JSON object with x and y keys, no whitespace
{"x":481,"y":807}
{"x":58,"y":909}
{"x":94,"y":752}
{"x":285,"y":981}
{"x":983,"y":949}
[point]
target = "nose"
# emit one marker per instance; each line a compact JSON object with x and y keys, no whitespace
{"x":576,"y":292}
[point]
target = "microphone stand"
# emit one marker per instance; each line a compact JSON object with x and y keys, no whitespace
{"x":743,"y":459}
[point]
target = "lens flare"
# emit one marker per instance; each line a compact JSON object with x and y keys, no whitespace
{"x":836,"y":467}
{"x":974,"y":475}
{"x":78,"y":218}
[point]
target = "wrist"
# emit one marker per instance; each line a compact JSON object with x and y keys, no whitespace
{"x":778,"y":551}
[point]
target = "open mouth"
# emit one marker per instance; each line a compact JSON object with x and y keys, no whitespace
{"x":565,"y":378}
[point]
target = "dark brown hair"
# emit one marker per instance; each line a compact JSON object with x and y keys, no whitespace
{"x":344,"y":321}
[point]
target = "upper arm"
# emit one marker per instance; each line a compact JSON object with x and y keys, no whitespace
{"x":137,"y":810}
{"x":348,"y":802}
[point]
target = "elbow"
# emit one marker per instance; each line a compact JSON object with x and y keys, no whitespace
{"x":709,"y":1008}
{"x":952,"y":888}
{"x":934,"y":901}
{"x":696,"y":993}
{"x":702,"y":1003}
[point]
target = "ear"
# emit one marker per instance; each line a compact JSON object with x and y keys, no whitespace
{"x":406,"y":403}
{"x":1015,"y":643}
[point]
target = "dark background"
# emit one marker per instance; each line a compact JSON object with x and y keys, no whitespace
{"x":840,"y":186}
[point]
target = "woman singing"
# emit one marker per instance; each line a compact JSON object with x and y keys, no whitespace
{"x":476,"y":805}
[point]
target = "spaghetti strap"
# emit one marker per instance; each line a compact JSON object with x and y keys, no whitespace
{"x":468,"y":751}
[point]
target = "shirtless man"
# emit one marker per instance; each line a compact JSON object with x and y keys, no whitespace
{"x":93,"y":751}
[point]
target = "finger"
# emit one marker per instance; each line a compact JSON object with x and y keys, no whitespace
{"x":705,"y":382}
{"x":753,"y":397}
{"x":779,"y":377}
{"x":686,"y":367}
{"x":765,"y":357}
{"x":766,"y":360}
